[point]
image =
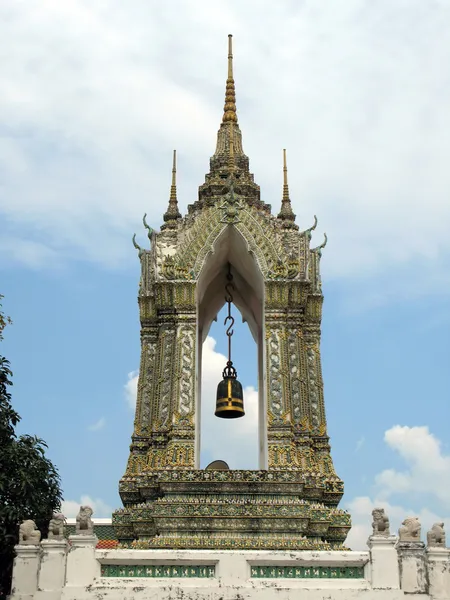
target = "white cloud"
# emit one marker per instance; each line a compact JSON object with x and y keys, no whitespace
{"x":358,"y":99}
{"x":131,"y":388}
{"x":360,"y":443}
{"x":98,"y":424}
{"x":101,"y":509}
{"x":34,"y":254}
{"x":425,"y":479}
{"x":428,"y":469}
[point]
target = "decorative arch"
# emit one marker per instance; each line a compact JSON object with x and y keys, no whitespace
{"x":199,"y":240}
{"x":230,"y":247}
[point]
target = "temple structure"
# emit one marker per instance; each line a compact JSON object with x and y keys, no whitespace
{"x":291,"y":501}
{"x":215,"y":533}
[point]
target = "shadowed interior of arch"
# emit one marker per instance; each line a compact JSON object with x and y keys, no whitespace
{"x":230,"y":250}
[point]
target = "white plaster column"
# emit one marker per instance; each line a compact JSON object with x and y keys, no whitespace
{"x":438,"y":562}
{"x":233,"y":569}
{"x":52,"y":574}
{"x":384,"y":562}
{"x":413,"y":576}
{"x":82,"y":566}
{"x":25,"y":572}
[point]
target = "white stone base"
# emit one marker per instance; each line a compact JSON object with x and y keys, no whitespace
{"x":413,"y":570}
{"x":439,"y":572}
{"x":230,"y":574}
{"x":25,"y":572}
{"x":271,"y":592}
{"x":234,"y":574}
{"x":385,"y":571}
{"x":52,"y":574}
{"x":82,"y":566}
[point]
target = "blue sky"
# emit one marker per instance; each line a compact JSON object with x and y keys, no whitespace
{"x":92,"y":102}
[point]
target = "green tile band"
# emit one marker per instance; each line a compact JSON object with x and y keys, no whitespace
{"x":158,"y":571}
{"x":273,"y":572}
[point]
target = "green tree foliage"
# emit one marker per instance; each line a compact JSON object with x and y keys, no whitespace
{"x":29,"y":483}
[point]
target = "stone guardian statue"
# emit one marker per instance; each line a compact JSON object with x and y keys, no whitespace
{"x":29,"y":535}
{"x":56,"y":527}
{"x":380,"y":522}
{"x":410,"y":530}
{"x":436,"y":536}
{"x":84,"y":524}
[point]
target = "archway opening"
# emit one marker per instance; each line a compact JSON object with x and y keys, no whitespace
{"x":233,"y":440}
{"x":241,"y":442}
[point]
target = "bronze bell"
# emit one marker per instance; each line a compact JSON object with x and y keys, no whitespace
{"x":230,"y":397}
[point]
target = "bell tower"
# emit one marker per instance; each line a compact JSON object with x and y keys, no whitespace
{"x":291,"y":502}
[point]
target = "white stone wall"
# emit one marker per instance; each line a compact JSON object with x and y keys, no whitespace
{"x":56,"y":570}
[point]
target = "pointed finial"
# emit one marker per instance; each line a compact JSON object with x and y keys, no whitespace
{"x":229,"y":110}
{"x":286,"y":213}
{"x":230,"y":56}
{"x":172,"y":214}
{"x":285,"y":179}
{"x":173,"y":187}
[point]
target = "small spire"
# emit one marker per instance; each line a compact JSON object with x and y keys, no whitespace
{"x":285,"y":179}
{"x":173,"y":187}
{"x":172,"y":214}
{"x":229,"y":110}
{"x":286,"y":213}
{"x":229,"y":157}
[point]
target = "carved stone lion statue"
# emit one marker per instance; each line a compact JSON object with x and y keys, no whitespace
{"x":84,"y":524}
{"x":436,"y":535}
{"x":56,"y":527}
{"x":29,"y":534}
{"x":380,"y":523}
{"x":410,"y":530}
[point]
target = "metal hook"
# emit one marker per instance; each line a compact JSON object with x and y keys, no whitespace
{"x":229,"y":287}
{"x":229,"y":331}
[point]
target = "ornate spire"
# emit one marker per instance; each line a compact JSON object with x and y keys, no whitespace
{"x":229,"y":156}
{"x":229,"y":110}
{"x":172,"y":214}
{"x":286,"y":213}
{"x":229,"y":128}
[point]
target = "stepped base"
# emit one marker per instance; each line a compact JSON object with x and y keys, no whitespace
{"x":233,"y":510}
{"x":235,"y":541}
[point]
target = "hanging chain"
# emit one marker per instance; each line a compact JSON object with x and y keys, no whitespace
{"x":229,"y":370}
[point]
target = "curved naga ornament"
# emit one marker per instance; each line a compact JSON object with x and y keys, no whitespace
{"x":138,"y":248}
{"x":308,"y":232}
{"x":147,"y":226}
{"x":150,"y":232}
{"x":319,"y":249}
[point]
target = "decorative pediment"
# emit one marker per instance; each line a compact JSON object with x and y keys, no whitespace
{"x":277,"y":257}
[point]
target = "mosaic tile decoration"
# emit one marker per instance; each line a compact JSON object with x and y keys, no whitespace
{"x":184,"y":571}
{"x":105,"y":532}
{"x":319,"y":572}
